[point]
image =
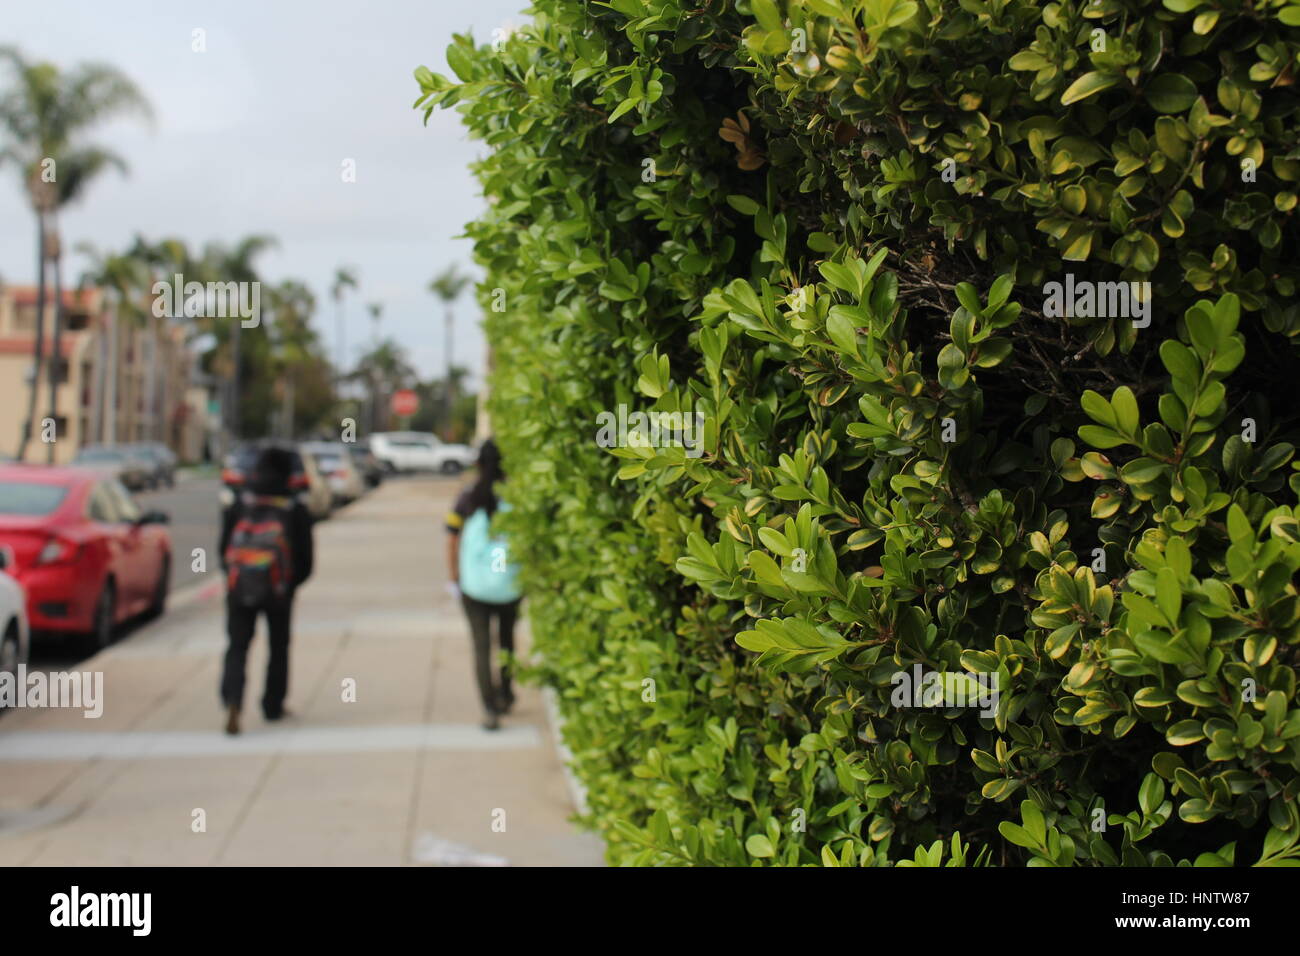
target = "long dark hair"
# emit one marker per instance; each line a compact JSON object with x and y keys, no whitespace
{"x":482,"y":493}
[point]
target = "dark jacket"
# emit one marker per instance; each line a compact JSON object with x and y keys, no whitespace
{"x":297,"y":526}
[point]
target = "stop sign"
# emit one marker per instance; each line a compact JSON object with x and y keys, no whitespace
{"x":405,"y":403}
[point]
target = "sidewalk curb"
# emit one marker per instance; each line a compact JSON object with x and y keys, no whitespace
{"x":555,"y":722}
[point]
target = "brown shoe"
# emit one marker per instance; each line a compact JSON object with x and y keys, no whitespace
{"x":232,"y":721}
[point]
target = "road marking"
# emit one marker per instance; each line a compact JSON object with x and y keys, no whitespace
{"x":43,"y":745}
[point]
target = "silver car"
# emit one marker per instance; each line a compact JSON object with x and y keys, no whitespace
{"x":335,"y":461}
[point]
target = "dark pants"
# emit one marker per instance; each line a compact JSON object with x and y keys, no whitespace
{"x":240,"y":622}
{"x":481,"y":616}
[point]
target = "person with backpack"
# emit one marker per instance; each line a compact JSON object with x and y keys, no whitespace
{"x":481,"y":573}
{"x":266,"y":553}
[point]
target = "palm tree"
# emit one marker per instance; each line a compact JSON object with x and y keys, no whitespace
{"x":124,"y":278}
{"x":45,"y":114}
{"x":448,"y":286}
{"x":233,"y":264}
{"x":345,"y":277}
{"x":385,"y":369}
{"x":376,"y":310}
{"x":162,"y":259}
{"x":294,"y":343}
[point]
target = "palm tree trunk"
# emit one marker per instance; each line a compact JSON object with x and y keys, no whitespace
{"x":152,"y":379}
{"x":447,"y":396}
{"x":97,"y":388}
{"x":341,"y":345}
{"x":110,"y":399}
{"x":38,"y":347}
{"x":56,"y":352}
{"x":234,"y":380}
{"x":289,"y":406}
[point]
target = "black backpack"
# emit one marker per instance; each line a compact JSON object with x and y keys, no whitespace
{"x":258,"y":558}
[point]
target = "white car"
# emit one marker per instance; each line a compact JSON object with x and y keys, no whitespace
{"x":14,"y":636}
{"x":339,"y":470}
{"x":420,"y":451}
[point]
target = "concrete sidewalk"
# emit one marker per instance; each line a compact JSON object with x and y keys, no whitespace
{"x":387,"y":779}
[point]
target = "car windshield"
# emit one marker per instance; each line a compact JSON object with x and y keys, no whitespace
{"x":30,"y":498}
{"x":100,"y":454}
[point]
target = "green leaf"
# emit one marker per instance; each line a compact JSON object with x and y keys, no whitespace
{"x":1126,"y":411}
{"x":1087,"y":85}
{"x":742,"y":204}
{"x":1018,"y":835}
{"x":1180,"y":361}
{"x":1098,"y":409}
{"x":460,"y":61}
{"x":1170,"y":93}
{"x":766,"y":13}
{"x":840,"y":276}
{"x":1099,"y":437}
{"x":969,"y":298}
{"x":1185,"y":732}
{"x":842,"y":332}
{"x":1151,"y":794}
{"x":760,"y":846}
{"x":1169,"y":596}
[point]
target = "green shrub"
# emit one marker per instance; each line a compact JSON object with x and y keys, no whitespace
{"x":831,"y":229}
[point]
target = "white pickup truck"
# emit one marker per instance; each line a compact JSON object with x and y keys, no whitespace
{"x":420,"y":451}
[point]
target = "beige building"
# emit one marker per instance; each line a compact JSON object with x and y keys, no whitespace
{"x":119,"y":381}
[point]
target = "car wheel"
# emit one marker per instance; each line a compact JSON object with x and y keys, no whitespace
{"x":159,"y":602}
{"x":105,"y":625}
{"x":9,"y":659}
{"x":452,"y":468}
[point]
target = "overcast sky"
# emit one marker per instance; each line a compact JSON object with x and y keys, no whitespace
{"x":250,"y":137}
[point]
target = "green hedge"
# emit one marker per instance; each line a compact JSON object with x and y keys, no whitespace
{"x":831,"y":228}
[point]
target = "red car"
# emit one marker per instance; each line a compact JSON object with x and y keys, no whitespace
{"x":83,"y":551}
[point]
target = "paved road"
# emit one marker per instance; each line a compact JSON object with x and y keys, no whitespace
{"x":195,"y":514}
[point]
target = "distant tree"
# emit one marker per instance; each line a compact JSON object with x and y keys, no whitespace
{"x":45,"y":113}
{"x":447,"y":286}
{"x":345,"y":278}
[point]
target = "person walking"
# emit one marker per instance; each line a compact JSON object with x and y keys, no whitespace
{"x":266,"y":553}
{"x":482,"y":575}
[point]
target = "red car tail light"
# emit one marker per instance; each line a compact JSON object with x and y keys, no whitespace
{"x":230,"y":476}
{"x":58,"y":551}
{"x":299,"y":481}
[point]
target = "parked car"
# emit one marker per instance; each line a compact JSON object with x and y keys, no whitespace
{"x":340,"y":470}
{"x":14,"y":636}
{"x":128,"y":466}
{"x":420,"y":451}
{"x":371,"y":468}
{"x":84,"y":552}
{"x":306,"y":480}
{"x":161,"y":458}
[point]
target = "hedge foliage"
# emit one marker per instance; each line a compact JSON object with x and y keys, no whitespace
{"x":831,"y":227}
